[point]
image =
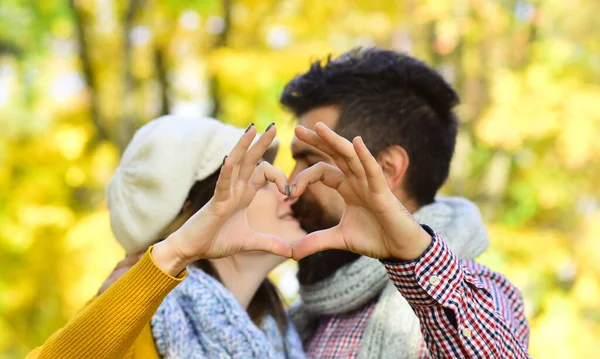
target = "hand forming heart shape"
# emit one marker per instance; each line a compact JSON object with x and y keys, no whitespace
{"x":374,"y":222}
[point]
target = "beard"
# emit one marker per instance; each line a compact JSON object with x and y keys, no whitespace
{"x":318,"y":266}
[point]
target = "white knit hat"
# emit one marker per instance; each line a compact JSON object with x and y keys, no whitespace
{"x":159,"y":167}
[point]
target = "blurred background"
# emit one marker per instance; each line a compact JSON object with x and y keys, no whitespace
{"x":78,"y":77}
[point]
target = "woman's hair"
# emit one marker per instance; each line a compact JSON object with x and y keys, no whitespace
{"x":266,"y":300}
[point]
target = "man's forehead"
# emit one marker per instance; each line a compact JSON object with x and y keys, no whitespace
{"x":326,"y":114}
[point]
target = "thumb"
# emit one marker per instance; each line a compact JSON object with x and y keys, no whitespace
{"x":318,"y":241}
{"x":268,"y":243}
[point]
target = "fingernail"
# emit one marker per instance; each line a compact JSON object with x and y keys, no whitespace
{"x":268,"y":127}
{"x":224,"y":158}
{"x":288,"y":192}
{"x":249,"y":127}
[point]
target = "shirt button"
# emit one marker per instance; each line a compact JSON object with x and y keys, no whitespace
{"x":434,"y":280}
{"x":466,"y":332}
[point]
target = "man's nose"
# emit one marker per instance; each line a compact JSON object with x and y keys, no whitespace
{"x":294,"y":173}
{"x":298,"y":167}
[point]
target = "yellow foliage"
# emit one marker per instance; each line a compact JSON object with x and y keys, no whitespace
{"x":102,"y":163}
{"x":74,"y":176}
{"x":527,"y":152}
{"x":70,"y":141}
{"x":90,"y":232}
{"x":526,"y":107}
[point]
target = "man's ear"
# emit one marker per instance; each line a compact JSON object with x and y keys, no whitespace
{"x":394,"y":162}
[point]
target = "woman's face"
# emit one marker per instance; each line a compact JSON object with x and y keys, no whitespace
{"x":271,"y":213}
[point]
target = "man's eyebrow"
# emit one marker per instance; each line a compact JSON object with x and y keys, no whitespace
{"x":304,"y":154}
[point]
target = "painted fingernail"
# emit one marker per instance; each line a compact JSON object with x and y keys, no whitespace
{"x":268,"y":127}
{"x":224,"y":158}
{"x":249,"y":127}
{"x":288,"y":192}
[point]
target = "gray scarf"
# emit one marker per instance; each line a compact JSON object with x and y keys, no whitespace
{"x":393,"y":330}
{"x":202,"y":319}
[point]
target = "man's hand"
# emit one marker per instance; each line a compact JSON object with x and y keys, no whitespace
{"x":374,"y":222}
{"x":123,"y":266}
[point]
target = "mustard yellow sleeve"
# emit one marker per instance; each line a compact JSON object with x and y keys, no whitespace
{"x":109,"y":325}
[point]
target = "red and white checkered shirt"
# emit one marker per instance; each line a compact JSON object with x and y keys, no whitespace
{"x":466,"y":310}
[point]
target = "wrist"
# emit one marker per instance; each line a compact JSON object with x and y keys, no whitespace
{"x":419,"y":243}
{"x":168,"y":258}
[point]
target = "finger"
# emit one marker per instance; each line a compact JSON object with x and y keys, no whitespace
{"x":311,"y":138}
{"x":241,"y":147}
{"x":267,"y":243}
{"x":319,"y":241}
{"x":223,"y":187}
{"x":256,"y":153}
{"x":342,"y":147}
{"x":129,"y":261}
{"x":329,"y":175}
{"x":266,"y":172}
{"x":373,"y":172}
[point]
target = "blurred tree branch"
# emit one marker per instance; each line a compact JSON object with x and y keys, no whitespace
{"x":8,"y":48}
{"x":129,"y":119}
{"x":161,"y":73}
{"x":221,"y":41}
{"x":102,"y":132}
{"x":224,"y":35}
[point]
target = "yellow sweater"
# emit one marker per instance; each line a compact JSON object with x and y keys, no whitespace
{"x":117,"y":323}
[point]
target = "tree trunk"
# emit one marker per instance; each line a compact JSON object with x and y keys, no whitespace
{"x":161,"y":74}
{"x":128,"y":122}
{"x":102,"y":132}
{"x":221,"y":41}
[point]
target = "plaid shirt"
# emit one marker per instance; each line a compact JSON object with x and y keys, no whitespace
{"x":465,"y":309}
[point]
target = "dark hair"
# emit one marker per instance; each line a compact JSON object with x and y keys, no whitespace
{"x":389,"y":99}
{"x":266,"y":300}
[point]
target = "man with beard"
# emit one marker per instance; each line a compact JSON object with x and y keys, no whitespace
{"x":403,"y":111}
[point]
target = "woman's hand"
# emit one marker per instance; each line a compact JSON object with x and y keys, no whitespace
{"x":220,"y":228}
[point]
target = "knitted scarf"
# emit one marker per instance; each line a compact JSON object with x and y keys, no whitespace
{"x":200,"y":318}
{"x":393,"y":330}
